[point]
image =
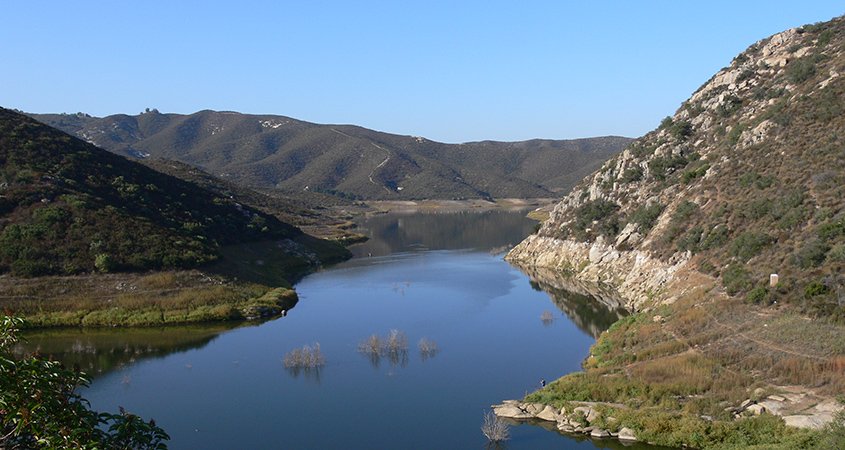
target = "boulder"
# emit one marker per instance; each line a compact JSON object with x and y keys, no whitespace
{"x":533,"y":408}
{"x":599,"y":433}
{"x":548,"y":413}
{"x":756,"y":409}
{"x":509,"y":411}
{"x":801,"y":421}
{"x":626,"y":434}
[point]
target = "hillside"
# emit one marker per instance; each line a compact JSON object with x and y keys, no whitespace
{"x":266,"y":151}
{"x":70,"y":208}
{"x":724,"y":232}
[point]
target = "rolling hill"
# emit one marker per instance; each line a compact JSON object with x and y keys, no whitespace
{"x":266,"y":151}
{"x":68,"y":207}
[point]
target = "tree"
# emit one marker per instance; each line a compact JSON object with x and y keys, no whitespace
{"x":39,"y":406}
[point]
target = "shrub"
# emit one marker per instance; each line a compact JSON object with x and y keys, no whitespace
{"x":735,"y":279}
{"x":660,"y":166}
{"x":646,"y":216}
{"x":801,"y":70}
{"x":735,"y":133}
{"x":681,"y":130}
{"x":692,"y":174}
{"x":632,"y":174}
{"x":749,"y":244}
{"x":812,"y":254}
{"x":716,"y":237}
{"x":815,"y":288}
{"x":759,"y":294}
{"x":601,"y":211}
{"x":836,"y":253}
{"x":103,"y":262}
{"x":41,"y":408}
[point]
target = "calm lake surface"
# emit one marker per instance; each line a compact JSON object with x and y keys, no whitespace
{"x":434,"y":276}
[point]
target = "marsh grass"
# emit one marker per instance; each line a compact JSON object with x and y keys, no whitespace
{"x":138,"y":299}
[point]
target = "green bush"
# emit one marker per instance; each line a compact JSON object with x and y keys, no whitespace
{"x":812,"y":254}
{"x":692,"y":174}
{"x":103,"y":262}
{"x":836,"y":253}
{"x":661,"y":166}
{"x":632,"y":174}
{"x":801,"y":70}
{"x":749,"y":244}
{"x":815,"y":288}
{"x":40,"y":406}
{"x":681,"y":130}
{"x":736,"y":279}
{"x":646,"y":216}
{"x":759,"y":294}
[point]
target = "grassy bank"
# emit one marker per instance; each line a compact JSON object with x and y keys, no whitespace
{"x":683,"y":371}
{"x":161,"y":298}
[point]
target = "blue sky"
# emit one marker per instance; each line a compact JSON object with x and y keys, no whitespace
{"x":451,"y":71}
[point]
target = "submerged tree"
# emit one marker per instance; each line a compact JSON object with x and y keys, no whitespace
{"x":39,"y":406}
{"x":494,"y":428}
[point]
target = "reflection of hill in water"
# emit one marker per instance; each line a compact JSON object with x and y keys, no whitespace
{"x":99,"y":351}
{"x":444,"y":230}
{"x":591,"y":308}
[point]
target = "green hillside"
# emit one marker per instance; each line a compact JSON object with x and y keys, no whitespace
{"x":278,"y":152}
{"x":89,"y":237}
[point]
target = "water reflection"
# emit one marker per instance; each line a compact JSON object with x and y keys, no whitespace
{"x":492,"y":230}
{"x":588,"y":313}
{"x":97,"y":351}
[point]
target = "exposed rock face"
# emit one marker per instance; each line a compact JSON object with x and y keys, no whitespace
{"x":619,"y":278}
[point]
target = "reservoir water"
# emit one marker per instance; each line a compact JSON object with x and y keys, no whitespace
{"x":435,"y":276}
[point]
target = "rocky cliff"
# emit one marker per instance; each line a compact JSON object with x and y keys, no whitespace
{"x":745,"y":180}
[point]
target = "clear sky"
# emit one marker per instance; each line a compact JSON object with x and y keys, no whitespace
{"x":452,"y":71}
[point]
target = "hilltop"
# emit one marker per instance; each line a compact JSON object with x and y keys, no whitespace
{"x":69,"y":209}
{"x":277,"y":152}
{"x":723,"y":231}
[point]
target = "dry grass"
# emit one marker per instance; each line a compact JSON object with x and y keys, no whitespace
{"x":134,"y":299}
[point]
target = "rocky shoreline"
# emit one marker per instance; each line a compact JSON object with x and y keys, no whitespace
{"x":580,"y":418}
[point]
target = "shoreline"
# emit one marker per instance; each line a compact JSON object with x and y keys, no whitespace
{"x":668,"y":359}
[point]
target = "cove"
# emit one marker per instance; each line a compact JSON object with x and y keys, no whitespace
{"x":434,"y":276}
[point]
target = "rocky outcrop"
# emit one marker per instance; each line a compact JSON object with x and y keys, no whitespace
{"x":630,"y":279}
{"x":580,"y":418}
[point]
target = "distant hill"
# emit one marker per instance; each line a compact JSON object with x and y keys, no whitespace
{"x":267,"y":151}
{"x":68,"y":207}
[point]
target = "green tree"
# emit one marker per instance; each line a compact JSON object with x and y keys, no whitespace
{"x":39,"y":407}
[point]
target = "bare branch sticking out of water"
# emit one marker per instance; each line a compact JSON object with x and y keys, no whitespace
{"x":305,"y":358}
{"x":427,"y":348}
{"x":495,"y":429}
{"x":394,"y":347}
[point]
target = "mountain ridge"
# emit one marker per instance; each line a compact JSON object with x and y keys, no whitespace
{"x":268,"y":151}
